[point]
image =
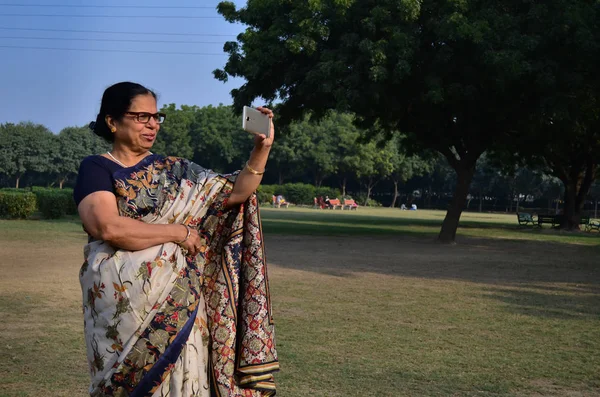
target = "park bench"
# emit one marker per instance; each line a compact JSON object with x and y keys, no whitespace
{"x":350,"y":204}
{"x":553,"y":220}
{"x":585,"y":220}
{"x":525,"y":219}
{"x":593,"y":224}
{"x":335,"y":203}
{"x":556,"y":220}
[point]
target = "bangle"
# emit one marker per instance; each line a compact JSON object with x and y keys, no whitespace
{"x":189,"y":231}
{"x":252,"y":170}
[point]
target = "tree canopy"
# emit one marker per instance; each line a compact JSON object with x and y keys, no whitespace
{"x":458,"y":77}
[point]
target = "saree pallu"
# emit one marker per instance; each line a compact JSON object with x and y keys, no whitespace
{"x":159,"y":322}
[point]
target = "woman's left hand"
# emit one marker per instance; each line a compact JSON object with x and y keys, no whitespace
{"x":261,"y":141}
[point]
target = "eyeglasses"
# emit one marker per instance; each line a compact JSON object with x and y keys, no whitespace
{"x":144,"y":117}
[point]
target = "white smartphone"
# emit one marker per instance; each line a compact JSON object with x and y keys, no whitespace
{"x":256,"y":122}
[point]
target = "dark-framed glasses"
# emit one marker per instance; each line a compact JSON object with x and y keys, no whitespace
{"x":144,"y":117}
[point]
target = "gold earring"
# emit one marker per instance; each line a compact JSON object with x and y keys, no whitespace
{"x":113,"y":130}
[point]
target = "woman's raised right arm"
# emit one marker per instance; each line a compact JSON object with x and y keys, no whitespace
{"x":100,"y":216}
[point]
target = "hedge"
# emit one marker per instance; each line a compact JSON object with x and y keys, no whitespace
{"x":55,"y":203}
{"x":52,"y":203}
{"x":17,"y":205}
{"x":265,"y":193}
{"x":328,"y":191}
{"x":296,"y":193}
{"x":360,"y":200}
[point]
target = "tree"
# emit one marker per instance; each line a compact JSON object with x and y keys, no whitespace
{"x":287,"y":156}
{"x":326,"y":147}
{"x":318,"y":146}
{"x":174,"y":136}
{"x":566,"y":122}
{"x":448,"y":74}
{"x":483,"y":180}
{"x":218,"y":139}
{"x":375,"y":165}
{"x":405,"y":166}
{"x":25,"y":147}
{"x":73,"y":145}
{"x":348,"y":152}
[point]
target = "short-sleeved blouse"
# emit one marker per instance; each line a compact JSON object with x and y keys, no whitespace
{"x":96,"y":174}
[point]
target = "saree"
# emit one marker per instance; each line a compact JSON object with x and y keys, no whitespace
{"x":159,"y":322}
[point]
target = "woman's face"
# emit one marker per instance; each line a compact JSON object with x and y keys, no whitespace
{"x":132,"y":130}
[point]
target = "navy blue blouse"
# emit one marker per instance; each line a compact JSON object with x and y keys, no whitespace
{"x":96,"y":174}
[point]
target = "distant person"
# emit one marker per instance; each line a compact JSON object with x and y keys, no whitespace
{"x":413,"y":207}
{"x":328,"y":202}
{"x":281,"y":202}
{"x":157,"y":226}
{"x":321,"y":202}
{"x":403,"y":207}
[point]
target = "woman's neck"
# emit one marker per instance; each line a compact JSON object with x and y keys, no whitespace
{"x":127,"y":156}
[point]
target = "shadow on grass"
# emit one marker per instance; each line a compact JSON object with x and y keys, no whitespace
{"x":487,"y":261}
{"x":518,"y":274}
{"x":330,"y":223}
{"x":353,"y":218}
{"x":540,"y":301}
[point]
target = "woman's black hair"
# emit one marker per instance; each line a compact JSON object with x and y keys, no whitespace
{"x":116,"y":101}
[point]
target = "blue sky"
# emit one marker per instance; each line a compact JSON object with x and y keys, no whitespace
{"x":60,"y":88}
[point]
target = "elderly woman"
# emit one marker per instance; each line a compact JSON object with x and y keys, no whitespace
{"x":174,"y":282}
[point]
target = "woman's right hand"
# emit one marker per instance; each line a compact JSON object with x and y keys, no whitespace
{"x":193,"y":244}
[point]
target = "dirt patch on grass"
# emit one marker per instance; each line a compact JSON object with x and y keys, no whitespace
{"x":546,"y":388}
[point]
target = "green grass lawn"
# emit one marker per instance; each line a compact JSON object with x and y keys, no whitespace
{"x":365,"y":304}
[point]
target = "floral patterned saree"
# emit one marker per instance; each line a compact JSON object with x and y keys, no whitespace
{"x":159,"y":322}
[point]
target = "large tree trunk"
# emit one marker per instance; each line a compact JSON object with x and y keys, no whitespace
{"x":18,"y":179}
{"x":395,"y":194}
{"x":280,"y":178}
{"x":571,"y":214}
{"x":464,"y":175}
{"x":480,"y":201}
{"x":61,"y":182}
{"x":577,"y":187}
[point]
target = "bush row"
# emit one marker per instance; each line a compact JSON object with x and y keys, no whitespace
{"x":56,"y":203}
{"x":296,"y":193}
{"x":22,"y":203}
{"x":361,"y":197}
{"x":17,"y":205}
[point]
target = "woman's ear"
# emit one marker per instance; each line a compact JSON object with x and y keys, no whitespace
{"x":110,"y":123}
